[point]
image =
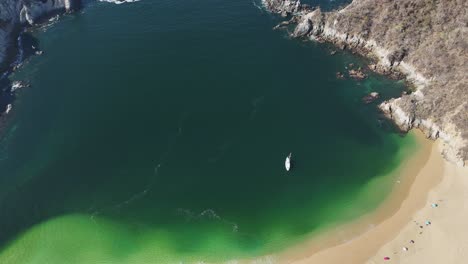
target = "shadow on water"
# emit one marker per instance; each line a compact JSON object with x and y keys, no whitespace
{"x":22,"y":51}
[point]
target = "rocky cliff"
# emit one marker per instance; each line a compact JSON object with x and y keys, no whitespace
{"x":425,"y":40}
{"x":284,"y":8}
{"x":15,"y":13}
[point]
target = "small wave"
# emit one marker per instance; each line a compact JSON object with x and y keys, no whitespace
{"x":152,"y":179}
{"x":49,"y":23}
{"x":257,"y":5}
{"x":130,"y":200}
{"x":16,"y":85}
{"x":119,"y":2}
{"x":265,"y":260}
{"x":208,"y":214}
{"x":256,"y":103}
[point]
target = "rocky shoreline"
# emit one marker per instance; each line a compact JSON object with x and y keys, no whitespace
{"x":420,"y":40}
{"x":15,"y":15}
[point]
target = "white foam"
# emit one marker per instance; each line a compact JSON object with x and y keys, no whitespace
{"x":258,"y":6}
{"x":54,"y":18}
{"x":208,"y":214}
{"x":119,"y":2}
{"x":8,"y":109}
{"x":17,"y":85}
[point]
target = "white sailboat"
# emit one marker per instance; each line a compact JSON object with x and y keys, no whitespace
{"x":287,"y":163}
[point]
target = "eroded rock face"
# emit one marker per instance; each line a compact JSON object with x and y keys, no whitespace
{"x":8,"y":18}
{"x":34,"y":9}
{"x":404,"y":112}
{"x":283,"y":7}
{"x":303,"y":28}
{"x":15,"y":14}
{"x":422,"y":40}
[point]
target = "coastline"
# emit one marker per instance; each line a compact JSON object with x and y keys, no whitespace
{"x":436,"y":118}
{"x":438,"y":105}
{"x":15,"y":18}
{"x":445,"y":240}
{"x":353,"y":238}
{"x":426,"y":178}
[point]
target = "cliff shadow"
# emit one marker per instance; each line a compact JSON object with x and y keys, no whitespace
{"x":25,"y":47}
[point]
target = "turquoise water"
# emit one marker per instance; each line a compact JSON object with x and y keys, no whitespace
{"x":156,"y":132}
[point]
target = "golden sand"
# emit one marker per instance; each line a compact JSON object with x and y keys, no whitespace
{"x":425,"y":179}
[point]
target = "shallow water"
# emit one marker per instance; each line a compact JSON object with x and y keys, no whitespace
{"x":157,"y":131}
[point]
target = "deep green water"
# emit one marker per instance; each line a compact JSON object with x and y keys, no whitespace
{"x":156,"y":132}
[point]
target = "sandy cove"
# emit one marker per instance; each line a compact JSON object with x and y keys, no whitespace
{"x":446,"y":239}
{"x":425,"y":179}
{"x":372,"y":30}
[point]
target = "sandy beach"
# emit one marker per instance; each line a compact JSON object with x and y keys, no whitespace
{"x":429,"y":189}
{"x":445,"y":240}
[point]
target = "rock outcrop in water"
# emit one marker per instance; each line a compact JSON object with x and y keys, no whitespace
{"x":16,"y":13}
{"x":420,"y":39}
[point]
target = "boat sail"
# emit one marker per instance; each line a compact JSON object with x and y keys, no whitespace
{"x":287,"y":163}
